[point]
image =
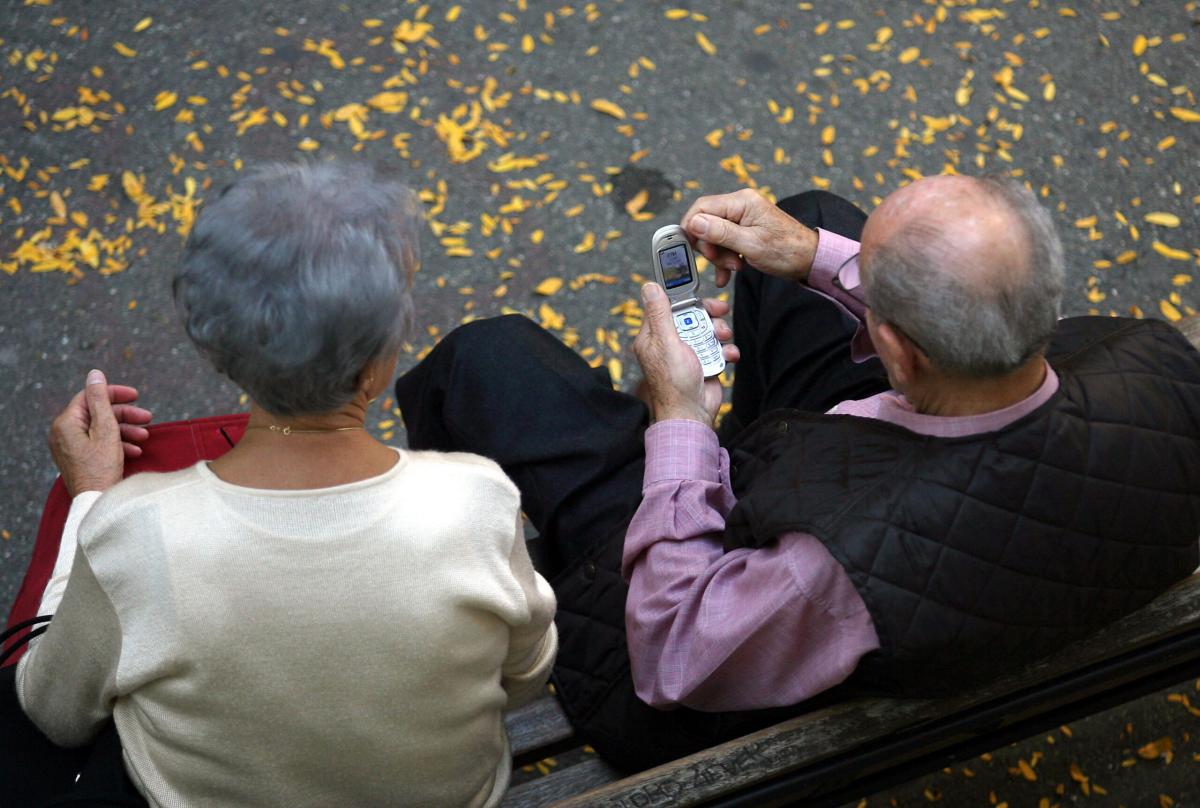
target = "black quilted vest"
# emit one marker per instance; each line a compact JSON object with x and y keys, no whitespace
{"x":976,"y":553}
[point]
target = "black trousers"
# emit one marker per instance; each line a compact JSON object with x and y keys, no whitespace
{"x":506,"y":389}
{"x":34,"y":772}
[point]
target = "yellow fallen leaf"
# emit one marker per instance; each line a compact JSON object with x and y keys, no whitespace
{"x":713,"y":138}
{"x":1186,"y":115}
{"x":388,"y":102}
{"x":308,"y":144}
{"x":705,"y":44}
{"x":1127,"y":257}
{"x":979,"y":16}
{"x":614,"y":370}
{"x":828,"y":135}
{"x":1164,"y":219}
{"x":549,"y":286}
{"x":676,"y":13}
{"x":608,"y":108}
{"x":1049,"y":91}
{"x":1183,"y":280}
{"x":639,"y":200}
{"x":143,"y":24}
{"x":165,"y":99}
{"x":1139,"y":45}
{"x":1086,"y":222}
{"x":132,"y":185}
{"x":1027,"y":771}
{"x":56,"y":202}
{"x":550,"y":318}
{"x":1171,"y":252}
{"x":124,"y":50}
{"x":909,"y":55}
{"x":409,"y":32}
{"x":589,"y":241}
{"x":1163,"y":746}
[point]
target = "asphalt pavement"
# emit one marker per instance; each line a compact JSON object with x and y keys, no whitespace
{"x":548,"y":141}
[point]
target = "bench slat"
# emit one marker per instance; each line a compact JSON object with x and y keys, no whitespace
{"x":537,"y":726}
{"x":840,"y":729}
{"x":588,"y":774}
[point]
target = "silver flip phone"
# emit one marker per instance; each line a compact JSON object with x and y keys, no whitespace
{"x":675,"y":271}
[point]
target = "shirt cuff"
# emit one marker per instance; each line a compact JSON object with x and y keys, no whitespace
{"x":833,"y":252}
{"x":681,"y":450}
{"x":67,"y":545}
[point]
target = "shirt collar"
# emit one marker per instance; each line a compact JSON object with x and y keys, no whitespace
{"x":896,"y":409}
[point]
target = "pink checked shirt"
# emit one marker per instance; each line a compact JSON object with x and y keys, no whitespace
{"x":753,"y":628}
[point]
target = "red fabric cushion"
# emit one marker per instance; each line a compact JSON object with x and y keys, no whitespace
{"x":171,"y":446}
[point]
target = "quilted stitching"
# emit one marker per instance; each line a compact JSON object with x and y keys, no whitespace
{"x":1124,"y":429}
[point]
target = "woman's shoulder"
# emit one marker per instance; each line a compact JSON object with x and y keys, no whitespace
{"x":138,"y":493}
{"x":465,"y":469}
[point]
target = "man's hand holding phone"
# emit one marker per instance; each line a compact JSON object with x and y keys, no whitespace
{"x":743,"y":225}
{"x":675,"y":384}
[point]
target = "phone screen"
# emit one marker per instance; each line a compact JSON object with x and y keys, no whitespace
{"x":675,"y":269}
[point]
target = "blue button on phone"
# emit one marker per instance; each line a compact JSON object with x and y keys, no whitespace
{"x":687,"y":320}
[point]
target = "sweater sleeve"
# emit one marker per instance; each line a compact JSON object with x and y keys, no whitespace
{"x":534,"y":644}
{"x":52,"y":595}
{"x":66,"y":683}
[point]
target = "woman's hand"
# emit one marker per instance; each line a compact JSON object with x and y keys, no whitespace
{"x":91,"y":438}
{"x":674,"y":381}
{"x":743,"y":225}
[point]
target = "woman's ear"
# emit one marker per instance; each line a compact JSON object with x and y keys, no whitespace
{"x":376,"y":375}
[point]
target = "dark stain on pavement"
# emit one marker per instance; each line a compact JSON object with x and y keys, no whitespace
{"x":633,"y":179}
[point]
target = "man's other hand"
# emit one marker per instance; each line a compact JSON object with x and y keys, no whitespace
{"x":675,"y":385}
{"x":732,"y":230}
{"x":99,"y":428}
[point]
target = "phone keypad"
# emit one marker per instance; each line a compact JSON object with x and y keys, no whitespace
{"x":695,"y":329}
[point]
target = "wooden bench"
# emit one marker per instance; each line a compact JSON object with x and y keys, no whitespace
{"x":842,"y":752}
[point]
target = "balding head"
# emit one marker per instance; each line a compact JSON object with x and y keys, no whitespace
{"x":970,"y":269}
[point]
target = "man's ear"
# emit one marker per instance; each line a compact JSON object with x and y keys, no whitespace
{"x":899,"y":354}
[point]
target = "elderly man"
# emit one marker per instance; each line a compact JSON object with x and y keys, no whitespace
{"x":926,"y":476}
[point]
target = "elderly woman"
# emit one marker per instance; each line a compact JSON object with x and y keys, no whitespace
{"x":315,"y":618}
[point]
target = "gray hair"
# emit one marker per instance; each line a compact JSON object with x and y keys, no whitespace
{"x":295,"y":276}
{"x":965,"y":324}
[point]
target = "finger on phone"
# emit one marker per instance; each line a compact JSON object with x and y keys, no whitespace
{"x":727,"y":206}
{"x":722,"y":330}
{"x":716,"y":307}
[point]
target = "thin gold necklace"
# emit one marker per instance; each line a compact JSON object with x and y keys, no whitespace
{"x":287,"y":430}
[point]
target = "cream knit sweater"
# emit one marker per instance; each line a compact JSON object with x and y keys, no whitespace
{"x":345,"y":646}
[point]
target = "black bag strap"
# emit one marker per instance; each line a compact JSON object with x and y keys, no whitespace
{"x":21,"y":642}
